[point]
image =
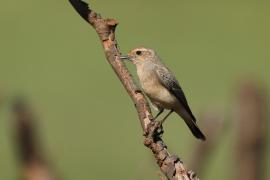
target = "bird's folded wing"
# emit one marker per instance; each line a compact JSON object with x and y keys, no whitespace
{"x":169,"y":82}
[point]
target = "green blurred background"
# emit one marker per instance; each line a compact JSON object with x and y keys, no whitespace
{"x":86,"y":119}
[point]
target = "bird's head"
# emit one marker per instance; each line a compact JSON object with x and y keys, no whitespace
{"x":140,"y":55}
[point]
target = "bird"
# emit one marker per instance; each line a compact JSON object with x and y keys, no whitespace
{"x":161,"y":87}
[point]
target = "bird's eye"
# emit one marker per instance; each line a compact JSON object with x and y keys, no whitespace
{"x":138,"y":53}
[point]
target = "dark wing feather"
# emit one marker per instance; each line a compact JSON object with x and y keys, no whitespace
{"x":169,"y":81}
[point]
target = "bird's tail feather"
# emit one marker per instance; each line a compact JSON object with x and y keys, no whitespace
{"x":195,"y":129}
{"x":193,"y":126}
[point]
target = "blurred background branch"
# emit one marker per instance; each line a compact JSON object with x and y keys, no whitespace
{"x":213,"y":125}
{"x":251,"y":129}
{"x":34,"y":164}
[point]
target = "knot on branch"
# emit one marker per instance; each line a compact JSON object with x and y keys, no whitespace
{"x":192,"y":175}
{"x":104,"y":27}
{"x":111,"y":22}
{"x":168,"y":166}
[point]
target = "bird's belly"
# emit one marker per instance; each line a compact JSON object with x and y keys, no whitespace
{"x":160,"y":96}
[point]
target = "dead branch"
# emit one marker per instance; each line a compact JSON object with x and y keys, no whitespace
{"x":251,"y":124}
{"x":170,"y":165}
{"x":34,"y":165}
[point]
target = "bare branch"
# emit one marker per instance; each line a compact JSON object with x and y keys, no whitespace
{"x":34,"y":166}
{"x":170,"y":165}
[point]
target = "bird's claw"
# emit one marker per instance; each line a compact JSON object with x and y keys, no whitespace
{"x":154,"y":128}
{"x":159,"y":128}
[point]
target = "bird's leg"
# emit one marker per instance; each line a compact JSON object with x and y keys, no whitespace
{"x":160,"y":129}
{"x":163,"y":120}
{"x":159,"y":113}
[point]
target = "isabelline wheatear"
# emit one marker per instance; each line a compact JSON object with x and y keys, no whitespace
{"x":161,"y":86}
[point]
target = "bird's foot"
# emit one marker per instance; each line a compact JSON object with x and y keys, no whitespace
{"x":151,"y":118}
{"x":160,"y":128}
{"x":154,"y":128}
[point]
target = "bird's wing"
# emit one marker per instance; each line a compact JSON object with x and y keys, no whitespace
{"x":169,"y":82}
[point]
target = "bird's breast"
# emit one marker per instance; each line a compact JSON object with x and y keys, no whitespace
{"x":157,"y":93}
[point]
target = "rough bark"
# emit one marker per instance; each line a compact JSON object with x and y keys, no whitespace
{"x":171,"y":166}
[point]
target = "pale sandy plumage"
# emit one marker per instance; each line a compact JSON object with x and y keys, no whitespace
{"x":161,"y":86}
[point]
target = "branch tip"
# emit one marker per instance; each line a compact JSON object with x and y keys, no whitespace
{"x":82,"y":8}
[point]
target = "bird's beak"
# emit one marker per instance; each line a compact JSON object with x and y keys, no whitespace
{"x":124,"y":57}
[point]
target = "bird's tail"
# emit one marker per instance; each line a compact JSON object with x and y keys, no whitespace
{"x":192,"y":125}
